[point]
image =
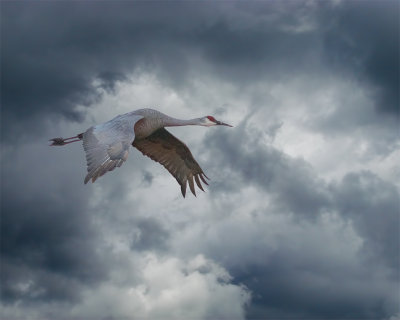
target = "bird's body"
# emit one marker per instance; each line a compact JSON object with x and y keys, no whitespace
{"x":107,"y":145}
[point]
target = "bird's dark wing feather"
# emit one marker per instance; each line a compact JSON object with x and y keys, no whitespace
{"x":175,"y":156}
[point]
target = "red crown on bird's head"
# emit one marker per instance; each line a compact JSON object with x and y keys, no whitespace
{"x":211,"y":118}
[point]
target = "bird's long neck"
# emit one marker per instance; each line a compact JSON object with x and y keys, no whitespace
{"x":173,"y":122}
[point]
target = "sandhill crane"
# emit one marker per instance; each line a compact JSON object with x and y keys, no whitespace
{"x":107,"y":145}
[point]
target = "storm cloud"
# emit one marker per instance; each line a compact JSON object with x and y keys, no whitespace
{"x":301,"y":218}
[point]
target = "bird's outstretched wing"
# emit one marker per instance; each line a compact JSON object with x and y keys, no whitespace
{"x":107,"y":144}
{"x":175,"y":156}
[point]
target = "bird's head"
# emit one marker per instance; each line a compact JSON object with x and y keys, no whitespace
{"x":209,"y":121}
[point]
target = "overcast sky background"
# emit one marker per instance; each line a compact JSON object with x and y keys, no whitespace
{"x":301,"y":218}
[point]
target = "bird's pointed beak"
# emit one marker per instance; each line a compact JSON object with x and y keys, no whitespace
{"x":220,"y":123}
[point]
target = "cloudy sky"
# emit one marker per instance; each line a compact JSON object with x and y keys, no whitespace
{"x":301,"y":218}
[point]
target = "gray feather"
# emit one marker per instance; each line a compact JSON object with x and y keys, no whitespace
{"x":107,"y":145}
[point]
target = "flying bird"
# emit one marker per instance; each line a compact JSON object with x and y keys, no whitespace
{"x":107,"y":145}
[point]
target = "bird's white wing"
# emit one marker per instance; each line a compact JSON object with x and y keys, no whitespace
{"x":107,"y":144}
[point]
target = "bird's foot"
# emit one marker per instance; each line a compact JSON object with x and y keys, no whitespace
{"x":57,"y":142}
{"x":62,"y":141}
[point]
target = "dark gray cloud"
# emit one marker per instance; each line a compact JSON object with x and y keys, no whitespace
{"x":372,"y":205}
{"x":288,"y":287}
{"x":147,"y":178}
{"x":364,"y":39}
{"x":47,"y":240}
{"x":150,"y":236}
{"x":50,"y":65}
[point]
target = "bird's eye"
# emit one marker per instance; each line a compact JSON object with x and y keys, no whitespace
{"x":211,"y":118}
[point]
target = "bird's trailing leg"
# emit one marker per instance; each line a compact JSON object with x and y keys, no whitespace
{"x":62,"y":141}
